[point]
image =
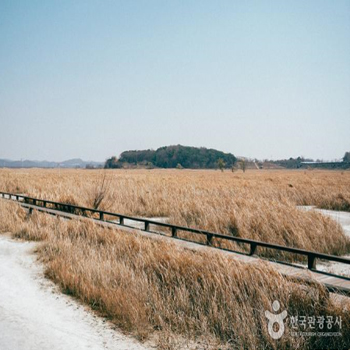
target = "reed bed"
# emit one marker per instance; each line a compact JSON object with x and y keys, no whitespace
{"x":175,"y":297}
{"x":260,"y":205}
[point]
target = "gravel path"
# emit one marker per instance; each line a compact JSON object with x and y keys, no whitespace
{"x":35,"y":316}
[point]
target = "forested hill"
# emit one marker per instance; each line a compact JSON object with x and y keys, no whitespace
{"x":173,"y":157}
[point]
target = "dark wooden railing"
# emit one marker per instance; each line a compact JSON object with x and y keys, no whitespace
{"x":79,"y":210}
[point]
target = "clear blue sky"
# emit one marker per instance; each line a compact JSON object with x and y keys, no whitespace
{"x":90,"y":79}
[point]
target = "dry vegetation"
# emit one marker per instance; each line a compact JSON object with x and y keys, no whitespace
{"x":258,"y":204}
{"x":150,"y":287}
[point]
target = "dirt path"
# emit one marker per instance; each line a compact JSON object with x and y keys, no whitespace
{"x":35,"y":316}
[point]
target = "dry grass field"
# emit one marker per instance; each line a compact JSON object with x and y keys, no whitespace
{"x":258,"y":204}
{"x":158,"y":290}
{"x":175,"y":297}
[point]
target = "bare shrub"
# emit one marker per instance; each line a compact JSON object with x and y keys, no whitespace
{"x":100,"y":190}
{"x":243,"y":165}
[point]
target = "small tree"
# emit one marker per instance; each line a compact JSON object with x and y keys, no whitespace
{"x":243,"y":165}
{"x":112,"y":163}
{"x":346,"y":157}
{"x":221,"y":164}
{"x":179,"y":166}
{"x":150,"y":165}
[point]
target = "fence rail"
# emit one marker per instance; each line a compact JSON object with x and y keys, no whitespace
{"x":82,"y":211}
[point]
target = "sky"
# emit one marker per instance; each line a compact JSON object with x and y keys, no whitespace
{"x":90,"y":79}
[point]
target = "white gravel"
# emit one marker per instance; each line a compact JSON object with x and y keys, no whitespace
{"x":35,"y":316}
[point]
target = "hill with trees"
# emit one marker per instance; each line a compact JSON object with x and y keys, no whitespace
{"x":174,"y":157}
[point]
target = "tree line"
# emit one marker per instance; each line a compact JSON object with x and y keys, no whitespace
{"x":174,"y":157}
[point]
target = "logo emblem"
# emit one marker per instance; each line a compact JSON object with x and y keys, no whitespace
{"x":276,"y":318}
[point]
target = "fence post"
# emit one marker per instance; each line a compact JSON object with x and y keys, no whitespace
{"x":121,"y":220}
{"x":173,"y":232}
{"x":146,"y":226}
{"x":253,"y":247}
{"x":209,"y":238}
{"x":101,"y":216}
{"x":311,"y":261}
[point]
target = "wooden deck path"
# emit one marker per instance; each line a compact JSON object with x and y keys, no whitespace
{"x":333,"y":283}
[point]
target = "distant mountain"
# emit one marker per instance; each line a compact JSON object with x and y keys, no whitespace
{"x":173,"y":157}
{"x":71,"y":163}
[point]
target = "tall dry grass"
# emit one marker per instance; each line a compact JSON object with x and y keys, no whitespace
{"x":258,"y":204}
{"x":156,"y":289}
